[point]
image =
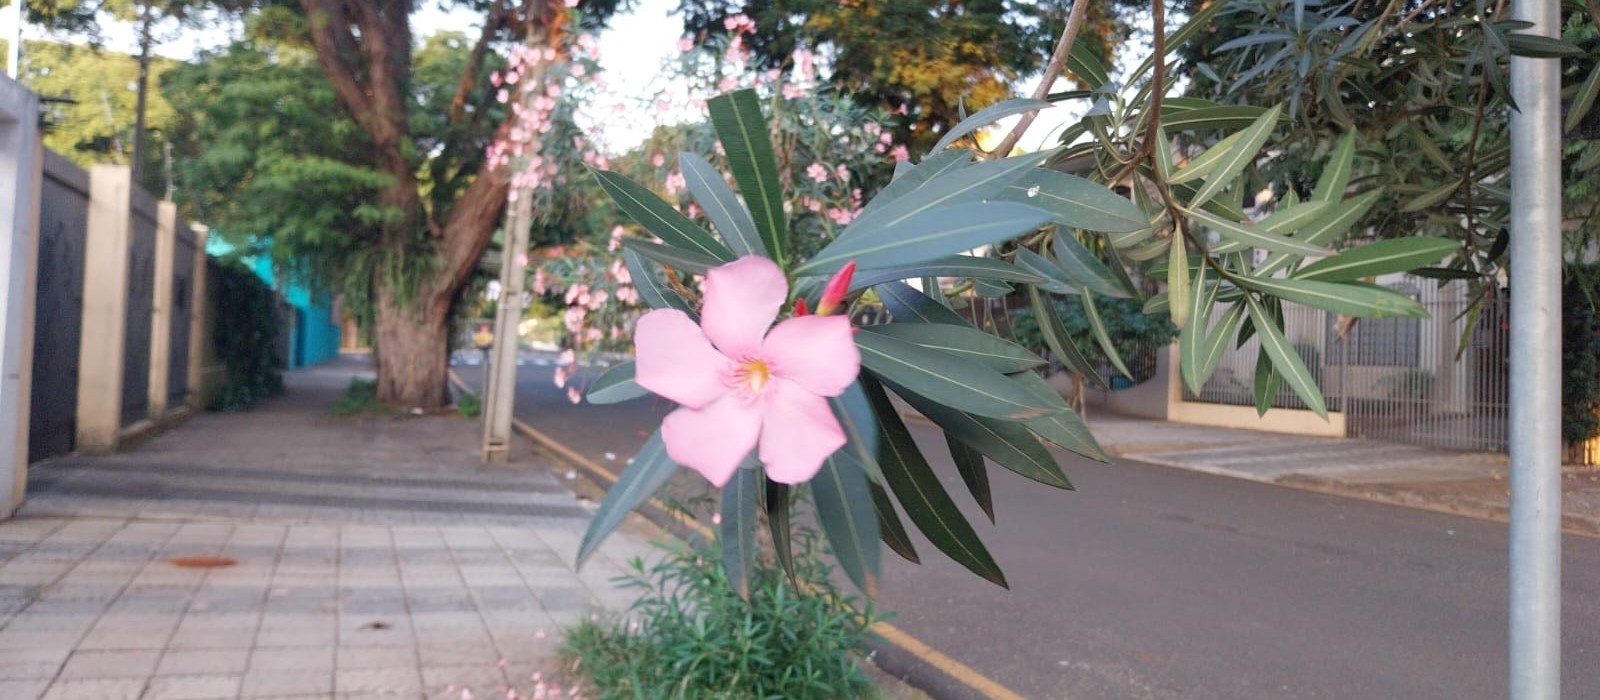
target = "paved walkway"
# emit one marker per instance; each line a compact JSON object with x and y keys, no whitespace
{"x":1471,"y":483}
{"x":368,"y":557}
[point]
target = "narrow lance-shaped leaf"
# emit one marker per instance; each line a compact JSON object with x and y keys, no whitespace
{"x":615,"y":386}
{"x":1202,"y":165}
{"x":650,"y":469}
{"x":1053,"y":278}
{"x":1083,"y":267}
{"x":1265,"y":385}
{"x":947,"y":379}
{"x":1348,"y":298}
{"x":844,"y":510}
{"x":890,"y":530}
{"x":963,"y":341}
{"x":1242,"y":154}
{"x":1380,"y":258}
{"x":928,"y":235}
{"x":854,"y":413}
{"x":651,"y":289}
{"x":676,"y":258}
{"x":1336,"y":174}
{"x":1253,"y":237}
{"x":1178,"y":304}
{"x":1057,"y":339}
{"x":907,"y":304}
{"x":969,"y":463}
{"x":1076,"y":202}
{"x":1191,"y":340}
{"x":659,"y":218}
{"x":1323,"y":232}
{"x":1064,"y":428}
{"x":1008,"y":443}
{"x":742,"y":129}
{"x":964,"y":266}
{"x":1216,"y":343}
{"x":777,"y":505}
{"x":919,"y":491}
{"x":970,"y":184}
{"x":930,"y":168}
{"x":721,"y":205}
{"x":1102,"y":337}
{"x":738,"y":532}
{"x":1284,"y":359}
{"x":989,"y":115}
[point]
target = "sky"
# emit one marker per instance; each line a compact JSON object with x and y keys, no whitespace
{"x":632,"y":51}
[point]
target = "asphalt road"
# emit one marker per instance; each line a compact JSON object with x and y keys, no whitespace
{"x":1154,"y":582}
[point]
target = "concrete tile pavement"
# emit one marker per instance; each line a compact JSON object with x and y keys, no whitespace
{"x":1470,"y":483}
{"x":355,"y":558}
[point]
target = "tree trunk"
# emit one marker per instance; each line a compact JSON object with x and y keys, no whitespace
{"x":412,"y":346}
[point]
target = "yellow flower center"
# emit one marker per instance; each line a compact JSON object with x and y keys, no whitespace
{"x":752,"y":375}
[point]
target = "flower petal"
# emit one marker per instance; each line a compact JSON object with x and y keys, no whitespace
{"x":742,"y":299}
{"x":676,"y":361}
{"x":712,"y":440}
{"x":816,"y":352}
{"x":798,"y":432}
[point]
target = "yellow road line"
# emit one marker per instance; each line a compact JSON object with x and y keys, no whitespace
{"x":961,"y":672}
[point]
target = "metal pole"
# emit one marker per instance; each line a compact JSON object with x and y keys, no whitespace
{"x":1535,"y":591}
{"x":14,"y":41}
{"x":501,"y":387}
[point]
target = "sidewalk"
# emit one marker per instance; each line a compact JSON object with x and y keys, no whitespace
{"x":284,"y":552}
{"x":1469,"y":483}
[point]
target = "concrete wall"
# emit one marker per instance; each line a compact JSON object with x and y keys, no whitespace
{"x":21,"y":162}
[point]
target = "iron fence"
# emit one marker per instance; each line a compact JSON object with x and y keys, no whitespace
{"x":63,"y":231}
{"x":1441,"y":381}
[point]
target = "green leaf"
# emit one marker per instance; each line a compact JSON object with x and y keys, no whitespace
{"x":1056,"y":338}
{"x":1191,"y":340}
{"x":963,"y":341}
{"x":1053,"y":278}
{"x":860,"y":428}
{"x":889,"y":528}
{"x":1216,"y":344}
{"x":1285,"y":220}
{"x":1162,"y":149}
{"x":1431,"y":198}
{"x":930,"y":168}
{"x":646,"y":474}
{"x":974,"y":473}
{"x":742,"y":129}
{"x":1265,"y":385}
{"x":1382,"y":257}
{"x":966,"y":185}
{"x":1336,"y":174}
{"x":928,"y":235}
{"x":1086,"y":65}
{"x":1284,"y":359}
{"x":1535,"y":46}
{"x":1063,"y":428}
{"x":1208,"y":160}
{"x":721,"y":205}
{"x":917,"y":488}
{"x":675,"y":258}
{"x":1359,"y":300}
{"x":1098,"y":327}
{"x":1157,"y":303}
{"x":989,"y":115}
{"x":1324,"y":231}
{"x":844,"y":510}
{"x":1075,"y":202}
{"x":1008,"y":443}
{"x":908,"y":305}
{"x":738,"y":531}
{"x":615,"y":386}
{"x":964,"y":266}
{"x":651,"y":289}
{"x":1583,"y":101}
{"x":1219,"y":117}
{"x":949,"y":380}
{"x":1253,"y":237}
{"x":778,"y":502}
{"x":1082,"y":266}
{"x":1242,"y":154}
{"x":659,"y":218}
{"x":1178,"y":306}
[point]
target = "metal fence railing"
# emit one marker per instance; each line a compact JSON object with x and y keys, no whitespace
{"x":1441,"y":381}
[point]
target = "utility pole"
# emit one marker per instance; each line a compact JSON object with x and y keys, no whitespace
{"x":1535,"y":550}
{"x":501,"y":386}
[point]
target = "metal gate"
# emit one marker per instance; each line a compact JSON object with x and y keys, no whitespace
{"x":183,"y":252}
{"x":1402,"y":379}
{"x":141,"y":297}
{"x":58,"y":315}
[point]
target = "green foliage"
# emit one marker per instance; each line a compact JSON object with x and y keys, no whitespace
{"x":1580,"y":354}
{"x":1131,"y":331}
{"x":468,"y":405}
{"x":245,"y":333}
{"x":691,"y":636}
{"x":360,"y":399}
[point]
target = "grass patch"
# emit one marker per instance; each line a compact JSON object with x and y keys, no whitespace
{"x":690,"y":636}
{"x":468,"y":405}
{"x":361,"y":399}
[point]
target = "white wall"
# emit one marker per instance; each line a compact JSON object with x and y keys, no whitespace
{"x":20,"y":172}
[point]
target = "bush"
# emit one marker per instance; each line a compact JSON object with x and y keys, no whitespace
{"x":1580,"y":361}
{"x":246,"y":336}
{"x":691,"y":636}
{"x":468,"y":406}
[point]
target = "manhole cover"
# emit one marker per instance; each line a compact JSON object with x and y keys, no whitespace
{"x":202,"y":562}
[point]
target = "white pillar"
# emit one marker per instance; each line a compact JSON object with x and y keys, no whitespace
{"x":161,"y":309}
{"x":500,"y":391}
{"x":21,"y":159}
{"x":105,"y":308}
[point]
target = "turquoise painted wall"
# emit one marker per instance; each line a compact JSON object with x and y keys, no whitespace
{"x":314,"y":337}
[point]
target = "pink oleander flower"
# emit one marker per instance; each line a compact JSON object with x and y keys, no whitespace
{"x":818,"y":172}
{"x":743,"y":383}
{"x":900,"y":153}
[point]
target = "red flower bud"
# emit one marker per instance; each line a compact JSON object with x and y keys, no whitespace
{"x":800,"y":307}
{"x":833,"y":294}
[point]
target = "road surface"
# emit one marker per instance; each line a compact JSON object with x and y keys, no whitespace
{"x":1154,"y":582}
